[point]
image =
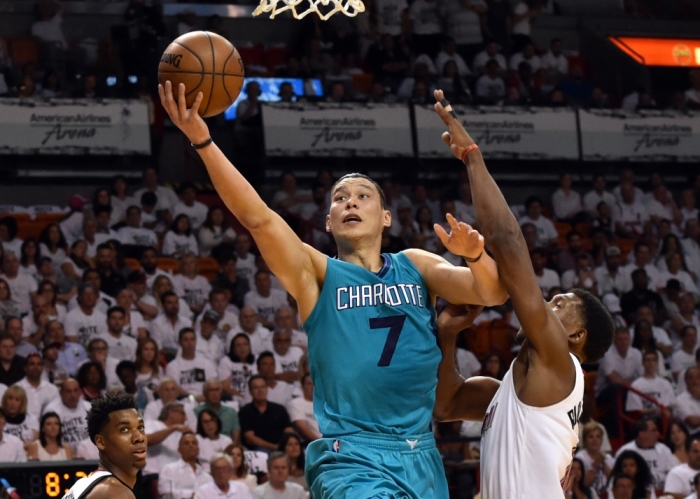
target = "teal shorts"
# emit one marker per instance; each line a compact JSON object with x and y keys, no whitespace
{"x":371,"y":465}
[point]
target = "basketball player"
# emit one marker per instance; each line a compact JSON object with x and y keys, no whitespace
{"x":116,"y":428}
{"x":530,"y":429}
{"x":370,"y":321}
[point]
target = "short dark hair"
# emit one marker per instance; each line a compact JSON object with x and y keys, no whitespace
{"x":266,"y":353}
{"x":102,"y":208}
{"x":132,"y":208}
{"x":102,"y":407}
{"x":167,"y":294}
{"x":382,"y":197}
{"x":115,"y":308}
{"x":149,"y":199}
{"x":125,"y":364}
{"x":104,"y":246}
{"x":82,"y":376}
{"x":621,"y":476}
{"x":599,"y":326}
{"x":253,"y":378}
{"x":532,"y":199}
{"x":572,"y":234}
{"x":183,"y":332}
{"x":187,"y":185}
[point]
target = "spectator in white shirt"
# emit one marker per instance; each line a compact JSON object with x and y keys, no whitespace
{"x":265,"y":300}
{"x":22,"y":286}
{"x":39,"y":391}
{"x":688,"y":208}
{"x":168,"y":391}
{"x":621,"y":365}
{"x":696,"y":486}
{"x":191,"y":286}
{"x":167,"y":198}
{"x":8,"y":236}
{"x":48,"y":27}
{"x":245,"y":264}
{"x":52,"y":244}
{"x":523,"y":13}
{"x":166,"y":327}
{"x":286,"y":319}
{"x":554,"y":61}
{"x":179,"y":240}
{"x":196,"y":211}
{"x":547,"y":235}
{"x":643,"y":260}
{"x":181,"y":478}
{"x":223,"y":486}
{"x":190,"y":370}
{"x":597,"y":195}
{"x":209,"y":344}
{"x":630,"y":216}
{"x":134,"y":234}
{"x":260,"y":337}
{"x":685,"y":357}
{"x":529,"y":55}
{"x":85,"y":322}
{"x":646,"y":443}
{"x":72,"y":409}
{"x":426,"y":25}
{"x":11,"y":447}
{"x":676,"y":270}
{"x":214,"y":231}
{"x":163,"y":437}
{"x":286,"y":356}
{"x":490,"y":52}
{"x":301,"y":412}
{"x":687,"y":405}
{"x":679,"y":481}
{"x":228,"y":313}
{"x":627,"y":178}
{"x":121,"y":346}
{"x":566,"y":202}
{"x":597,"y":464}
{"x":650,"y":383}
{"x":449,"y":53}
{"x":279,"y":392}
{"x":490,"y":87}
{"x":546,"y":278}
{"x":611,"y":278}
{"x":691,"y":248}
{"x":278,"y":484}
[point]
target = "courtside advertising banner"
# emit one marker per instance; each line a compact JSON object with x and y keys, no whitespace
{"x":333,"y":129}
{"x":503,"y":133}
{"x":618,"y":135}
{"x":74,"y":126}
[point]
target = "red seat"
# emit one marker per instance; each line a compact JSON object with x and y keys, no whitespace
{"x":276,"y":57}
{"x":252,"y":55}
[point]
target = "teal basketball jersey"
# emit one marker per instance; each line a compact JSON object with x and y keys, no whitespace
{"x":373,"y":350}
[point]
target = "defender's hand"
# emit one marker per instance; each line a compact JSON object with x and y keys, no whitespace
{"x":187,"y":120}
{"x":463,"y":240}
{"x":456,"y":138}
{"x":456,"y":318}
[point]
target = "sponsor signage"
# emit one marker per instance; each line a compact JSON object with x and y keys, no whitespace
{"x":74,"y":126}
{"x":660,"y":51}
{"x":506,"y":133}
{"x":333,"y":129}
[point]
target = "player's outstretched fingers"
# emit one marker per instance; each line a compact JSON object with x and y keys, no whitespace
{"x":195,"y":105}
{"x":447,"y":138}
{"x":441,"y":233}
{"x":181,"y":101}
{"x":454,"y":225}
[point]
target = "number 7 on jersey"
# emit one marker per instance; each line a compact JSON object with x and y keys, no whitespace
{"x":395,"y":325}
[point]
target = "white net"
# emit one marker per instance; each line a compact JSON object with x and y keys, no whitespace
{"x":274,"y":7}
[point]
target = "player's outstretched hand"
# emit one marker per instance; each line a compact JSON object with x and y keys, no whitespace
{"x":456,"y":138}
{"x":456,"y":318}
{"x":187,"y":120}
{"x":463,"y":240}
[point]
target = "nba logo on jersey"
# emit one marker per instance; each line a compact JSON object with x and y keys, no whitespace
{"x":336,"y":445}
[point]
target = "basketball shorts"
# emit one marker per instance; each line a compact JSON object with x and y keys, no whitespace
{"x":371,"y":465}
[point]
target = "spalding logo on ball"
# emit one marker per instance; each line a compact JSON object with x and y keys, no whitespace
{"x":205,"y":62}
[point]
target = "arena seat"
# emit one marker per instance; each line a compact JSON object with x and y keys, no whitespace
{"x":133,"y":263}
{"x":168,"y":264}
{"x":276,"y":57}
{"x":25,"y":225}
{"x":23,"y":50}
{"x":45,"y":219}
{"x":208,"y":267}
{"x":563,"y":230}
{"x":584,"y":228}
{"x":626,"y":246}
{"x":362,"y":82}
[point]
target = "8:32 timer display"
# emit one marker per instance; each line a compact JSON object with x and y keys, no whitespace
{"x":46,"y":480}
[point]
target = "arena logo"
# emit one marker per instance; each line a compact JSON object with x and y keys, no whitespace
{"x":657,"y":136}
{"x":69,"y":127}
{"x":498,"y":132}
{"x":337,"y":130}
{"x":174,"y":59}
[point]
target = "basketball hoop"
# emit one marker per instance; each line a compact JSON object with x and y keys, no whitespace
{"x":348,"y":7}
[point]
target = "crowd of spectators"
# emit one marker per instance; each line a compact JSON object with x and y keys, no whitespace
{"x":477,"y":51}
{"x":218,"y":363}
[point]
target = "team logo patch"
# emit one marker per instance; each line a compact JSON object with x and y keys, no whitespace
{"x":412,"y":443}
{"x":336,"y":445}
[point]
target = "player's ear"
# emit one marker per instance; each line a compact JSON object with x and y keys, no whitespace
{"x":328,"y":223}
{"x":579,"y":336}
{"x":100,"y":442}
{"x":387,"y":218}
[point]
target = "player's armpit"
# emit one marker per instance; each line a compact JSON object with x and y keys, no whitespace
{"x":477,"y":285}
{"x":471,"y":400}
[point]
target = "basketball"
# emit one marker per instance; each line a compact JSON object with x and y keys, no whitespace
{"x":205,"y":62}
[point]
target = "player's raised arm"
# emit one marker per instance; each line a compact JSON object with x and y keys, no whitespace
{"x":502,"y":234}
{"x":295,"y":264}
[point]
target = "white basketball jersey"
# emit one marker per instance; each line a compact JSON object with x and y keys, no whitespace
{"x":82,"y":487}
{"x":526,"y":452}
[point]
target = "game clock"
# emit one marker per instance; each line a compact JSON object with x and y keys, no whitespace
{"x":45,"y":479}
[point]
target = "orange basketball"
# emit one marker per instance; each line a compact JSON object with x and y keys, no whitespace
{"x":205,"y":62}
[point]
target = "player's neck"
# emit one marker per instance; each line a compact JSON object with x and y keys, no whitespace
{"x":128,"y":478}
{"x":367,"y":257}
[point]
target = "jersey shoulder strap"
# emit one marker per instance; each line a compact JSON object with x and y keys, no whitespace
{"x":82,"y":487}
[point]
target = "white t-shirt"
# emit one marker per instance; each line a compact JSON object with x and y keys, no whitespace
{"x":681,"y":360}
{"x":687,"y":405}
{"x":629,"y":367}
{"x":166,"y":197}
{"x":600,"y":480}
{"x":227,"y":322}
{"x":426,"y":19}
{"x":246,"y":269}
{"x":515,"y":435}
{"x":687,"y":283}
{"x":179,"y":243}
{"x":154,"y":408}
{"x":267,"y":306}
{"x":483,"y":57}
{"x":211,"y":349}
{"x":104,"y":303}
{"x":197,"y":213}
{"x":208,"y":447}
{"x":546,"y":231}
{"x":659,"y":458}
{"x":179,"y":481}
{"x":24,"y":430}
{"x":680,"y":479}
{"x":12,"y":449}
{"x":85,"y":327}
{"x":236,"y":490}
{"x":260,"y":339}
{"x":281,"y":394}
{"x":164,"y":453}
{"x":288,"y":362}
{"x":21,"y":287}
{"x":14,"y":247}
{"x":194,"y":291}
{"x":138,"y":236}
{"x":300,"y":409}
{"x":566,"y":206}
{"x":87,"y":450}
{"x":522,"y":27}
{"x":631,"y":216}
{"x":548,"y":280}
{"x":390,"y":15}
{"x":136,"y":322}
{"x":592,"y":199}
{"x":122,"y":348}
{"x":38,"y":397}
{"x":659,"y":388}
{"x":239,"y":373}
{"x":534,"y":62}
{"x":191,"y":374}
{"x":463,"y":24}
{"x":165,"y":333}
{"x":467,"y":363}
{"x":555,"y":63}
{"x":73,"y":423}
{"x":490,"y":88}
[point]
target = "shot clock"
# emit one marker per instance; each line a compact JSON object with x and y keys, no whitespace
{"x":45,"y":480}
